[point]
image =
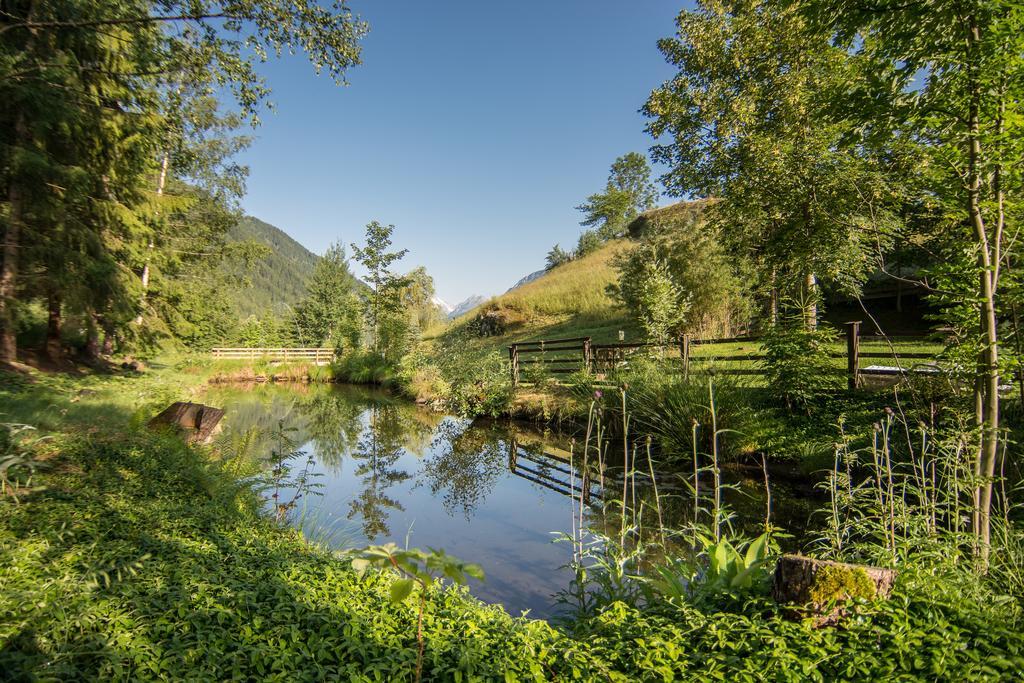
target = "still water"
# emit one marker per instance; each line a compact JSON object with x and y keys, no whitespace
{"x":387,"y":470}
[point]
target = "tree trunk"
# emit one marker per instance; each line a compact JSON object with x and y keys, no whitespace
{"x":13,"y":228}
{"x":92,"y":339}
{"x":54,"y":344}
{"x":796,"y":578}
{"x":161,"y":181}
{"x":811,"y":312}
{"x":987,"y":388}
{"x":109,"y":340}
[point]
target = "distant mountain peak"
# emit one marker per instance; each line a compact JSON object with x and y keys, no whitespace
{"x":466,"y":306}
{"x":527,"y":279}
{"x":445,"y":307}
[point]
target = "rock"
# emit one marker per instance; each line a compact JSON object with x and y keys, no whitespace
{"x":197,"y":422}
{"x":818,"y":588}
{"x":133,"y":365}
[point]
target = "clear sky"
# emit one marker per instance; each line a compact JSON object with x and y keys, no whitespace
{"x":474,"y":126}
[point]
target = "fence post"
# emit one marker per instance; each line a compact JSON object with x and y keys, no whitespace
{"x":586,"y":354}
{"x":684,"y":354}
{"x":513,"y":364}
{"x":853,"y":354}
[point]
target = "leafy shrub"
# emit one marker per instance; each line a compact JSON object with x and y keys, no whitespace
{"x":796,"y":363}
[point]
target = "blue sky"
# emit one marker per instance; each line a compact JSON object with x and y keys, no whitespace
{"x":475,"y":127}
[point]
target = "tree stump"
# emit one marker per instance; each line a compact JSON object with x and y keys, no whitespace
{"x":197,"y":422}
{"x":819,"y":588}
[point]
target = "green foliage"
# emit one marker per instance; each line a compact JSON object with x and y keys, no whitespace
{"x":133,"y":200}
{"x":477,"y":385}
{"x":588,"y":243}
{"x":415,"y":565}
{"x":386,"y":322}
{"x":329,"y":312}
{"x":796,"y":361}
{"x":689,"y":256}
{"x":556,"y":257}
{"x":648,"y":291}
{"x":18,"y":461}
{"x":795,"y":202}
{"x":628,"y":192}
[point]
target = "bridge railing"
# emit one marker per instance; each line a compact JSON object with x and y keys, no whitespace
{"x":315,"y":354}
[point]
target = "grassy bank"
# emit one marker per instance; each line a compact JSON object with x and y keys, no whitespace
{"x":135,"y":557}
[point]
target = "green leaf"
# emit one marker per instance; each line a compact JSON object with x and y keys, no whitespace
{"x":757,"y":550}
{"x":400,"y":590}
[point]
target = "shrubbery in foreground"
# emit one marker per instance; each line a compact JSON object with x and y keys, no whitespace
{"x":144,"y":559}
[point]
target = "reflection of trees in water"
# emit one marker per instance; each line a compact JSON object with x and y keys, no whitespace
{"x":334,"y":425}
{"x":465,"y":465}
{"x":376,"y":453}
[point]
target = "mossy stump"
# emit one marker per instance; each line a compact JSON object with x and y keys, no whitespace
{"x":196,"y":422}
{"x":820,"y":588}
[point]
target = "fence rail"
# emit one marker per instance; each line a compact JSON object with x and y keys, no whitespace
{"x":566,"y":356}
{"x":315,"y":354}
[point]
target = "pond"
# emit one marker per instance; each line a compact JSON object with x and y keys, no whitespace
{"x":497,"y":494}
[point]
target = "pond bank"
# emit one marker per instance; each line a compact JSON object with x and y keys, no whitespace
{"x":139,"y":558}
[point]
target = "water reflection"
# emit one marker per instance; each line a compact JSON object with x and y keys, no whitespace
{"x":486,"y":492}
{"x":376,"y":455}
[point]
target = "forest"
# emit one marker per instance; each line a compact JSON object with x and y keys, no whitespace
{"x":744,"y":500}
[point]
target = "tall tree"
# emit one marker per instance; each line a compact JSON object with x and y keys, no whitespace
{"x":747,"y":117}
{"x":628,"y":192}
{"x":383,"y":299}
{"x":328,"y":306}
{"x":418,"y":299}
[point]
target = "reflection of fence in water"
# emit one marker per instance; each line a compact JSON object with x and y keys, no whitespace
{"x":553,"y":471}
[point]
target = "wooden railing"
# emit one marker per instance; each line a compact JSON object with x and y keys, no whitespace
{"x":317,"y":355}
{"x":565,"y":356}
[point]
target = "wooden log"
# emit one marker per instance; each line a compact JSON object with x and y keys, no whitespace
{"x":197,"y":422}
{"x":819,"y":588}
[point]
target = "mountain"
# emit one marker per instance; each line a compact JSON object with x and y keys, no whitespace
{"x":442,"y":305}
{"x":466,"y":306}
{"x":528,"y":279}
{"x":279,"y":281}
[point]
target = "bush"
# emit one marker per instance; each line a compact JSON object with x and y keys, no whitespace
{"x":796,"y":363}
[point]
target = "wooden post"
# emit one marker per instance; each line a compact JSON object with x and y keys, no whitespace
{"x":586,"y":354}
{"x":684,"y":354}
{"x":853,"y":354}
{"x":513,"y":364}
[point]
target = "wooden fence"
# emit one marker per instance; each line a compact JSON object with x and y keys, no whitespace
{"x":566,"y":356}
{"x":317,"y":355}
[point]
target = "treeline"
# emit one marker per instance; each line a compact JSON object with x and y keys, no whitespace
{"x":117,"y":174}
{"x":382,"y":316}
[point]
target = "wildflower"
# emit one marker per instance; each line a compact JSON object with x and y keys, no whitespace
{"x":598,"y":394}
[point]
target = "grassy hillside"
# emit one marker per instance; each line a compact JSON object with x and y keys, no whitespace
{"x":568,"y":301}
{"x":279,"y":280}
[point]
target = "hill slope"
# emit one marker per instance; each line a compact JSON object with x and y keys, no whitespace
{"x":280,"y":279}
{"x":568,"y":301}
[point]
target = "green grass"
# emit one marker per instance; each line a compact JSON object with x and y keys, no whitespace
{"x":568,"y":301}
{"x":141,"y":559}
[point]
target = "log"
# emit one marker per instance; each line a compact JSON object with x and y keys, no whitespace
{"x":819,"y":588}
{"x":197,"y":422}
